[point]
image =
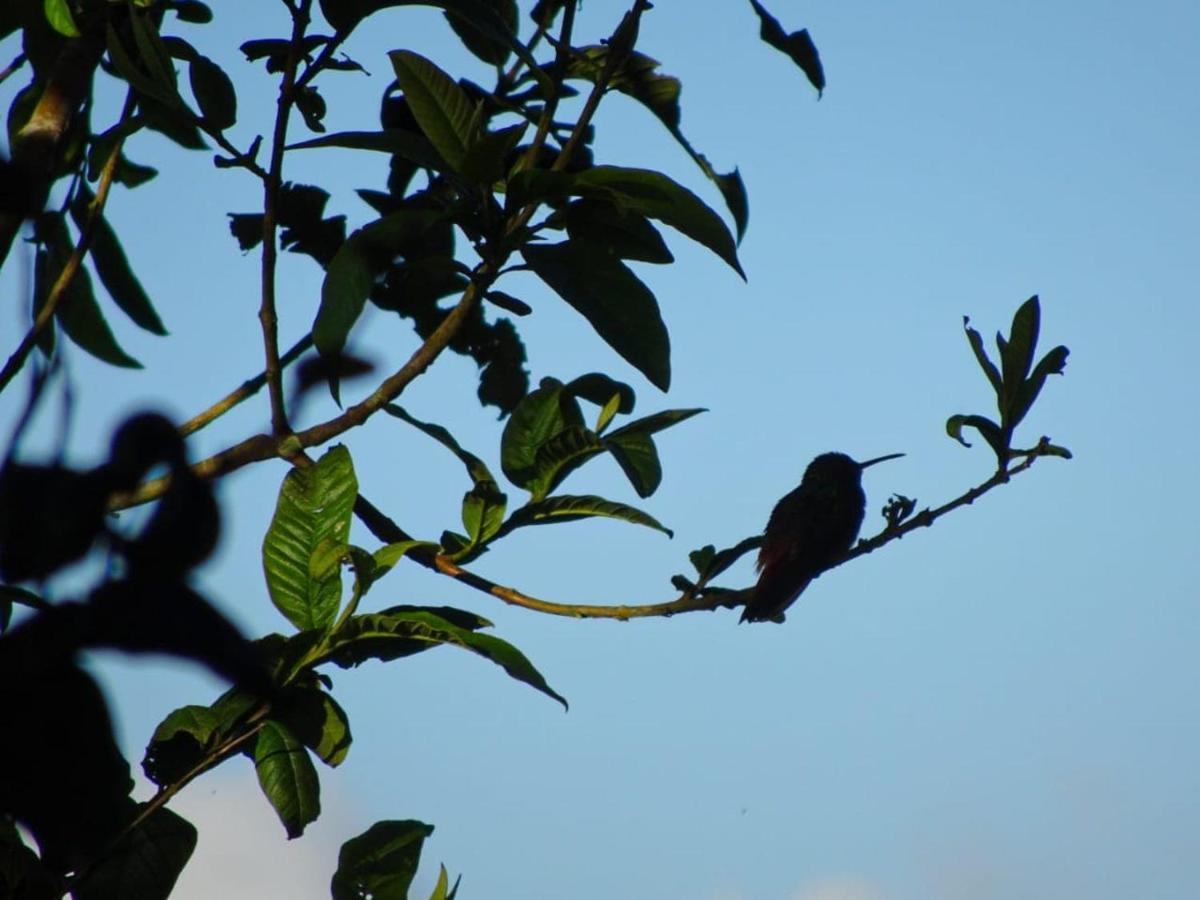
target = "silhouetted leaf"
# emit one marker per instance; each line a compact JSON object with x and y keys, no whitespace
{"x":145,"y":864}
{"x":798,"y":46}
{"x":656,"y":422}
{"x":509,"y":302}
{"x":312,"y":108}
{"x":599,"y":388}
{"x":314,"y":504}
{"x":484,"y":44}
{"x":247,"y":229}
{"x":112,"y":267}
{"x":567,"y":508}
{"x":1052,"y":363}
{"x":487,"y":158}
{"x":365,"y":255}
{"x":476,"y":467}
{"x":410,"y":145}
{"x":619,"y":231}
{"x":440,"y":106}
{"x":287,"y":777}
{"x":77,"y":312}
{"x":657,"y":196}
{"x":991,"y":432}
{"x":620,"y":308}
{"x":989,"y":368}
{"x":191,"y":11}
{"x":381,"y":862}
{"x":1017,"y":357}
{"x":214,"y":93}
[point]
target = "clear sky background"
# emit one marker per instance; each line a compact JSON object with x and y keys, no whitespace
{"x":1003,"y":706}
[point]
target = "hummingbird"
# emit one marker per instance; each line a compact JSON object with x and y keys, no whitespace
{"x":809,"y":530}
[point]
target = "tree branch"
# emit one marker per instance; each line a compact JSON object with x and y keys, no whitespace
{"x":696,"y":599}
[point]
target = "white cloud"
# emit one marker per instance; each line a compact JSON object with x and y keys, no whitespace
{"x":242,"y":850}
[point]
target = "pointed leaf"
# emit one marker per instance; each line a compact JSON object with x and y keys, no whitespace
{"x":397,"y":141}
{"x":985,"y":363}
{"x":619,"y":307}
{"x":145,"y":863}
{"x":798,"y":46}
{"x":112,"y":267}
{"x":287,"y":777}
{"x":352,"y":273}
{"x":1052,"y":363}
{"x":403,"y":631}
{"x":317,"y":721}
{"x":476,"y":467}
{"x":559,"y":456}
{"x":58,"y":14}
{"x":314,"y":504}
{"x":657,"y":196}
{"x":214,"y":93}
{"x":568,"y":508}
{"x":598,"y":388}
{"x":621,"y":232}
{"x":657,"y":422}
{"x":541,"y":414}
{"x":607,"y":413}
{"x":482,"y":43}
{"x":439,"y":105}
{"x":380,"y":863}
{"x":483,"y":511}
{"x":637,"y":456}
{"x":388,"y":555}
{"x":1017,"y":357}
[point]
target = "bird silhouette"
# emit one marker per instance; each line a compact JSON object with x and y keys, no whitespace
{"x":809,"y":530}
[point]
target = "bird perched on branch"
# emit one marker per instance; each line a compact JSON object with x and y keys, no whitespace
{"x":809,"y":530}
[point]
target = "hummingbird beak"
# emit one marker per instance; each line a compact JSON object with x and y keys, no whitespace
{"x":879,"y":459}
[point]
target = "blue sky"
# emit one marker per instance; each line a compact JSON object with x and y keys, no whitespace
{"x":1001,"y":706}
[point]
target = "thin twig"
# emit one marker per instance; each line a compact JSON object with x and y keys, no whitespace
{"x":247,"y":389}
{"x":694,"y":600}
{"x":18,"y":61}
{"x":266,"y":313}
{"x":59,"y":289}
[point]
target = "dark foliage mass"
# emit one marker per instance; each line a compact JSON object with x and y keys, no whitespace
{"x":483,"y":180}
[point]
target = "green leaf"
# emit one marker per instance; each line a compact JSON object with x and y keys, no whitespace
{"x":327,"y":558}
{"x":607,"y":413}
{"x":476,"y":468}
{"x":77,"y":311}
{"x":214,"y":93}
{"x":619,"y":307}
{"x":992,"y":433}
{"x":112,"y":267}
{"x":1017,"y":357}
{"x":403,"y":631}
{"x":656,"y":422}
{"x":314,"y":504}
{"x":483,"y":510}
{"x":396,"y":141}
{"x":567,"y":508}
{"x":487,"y":159}
{"x":485,"y":44}
{"x":145,"y":863}
{"x":985,"y":363}
{"x":798,"y":46}
{"x":154,"y":56}
{"x":442,"y":890}
{"x":390,"y":554}
{"x":352,"y":272}
{"x":1052,"y":363}
{"x":638,"y":458}
{"x":380,"y":863}
{"x":621,"y":232}
{"x":317,"y":721}
{"x":186,"y":734}
{"x":559,"y":456}
{"x":287,"y":777}
{"x":541,"y":414}
{"x":439,"y":105}
{"x":58,"y":14}
{"x":657,"y":196}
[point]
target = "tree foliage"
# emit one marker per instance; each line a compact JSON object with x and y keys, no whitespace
{"x":482,"y":181}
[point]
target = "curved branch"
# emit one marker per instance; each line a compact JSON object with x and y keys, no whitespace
{"x":696,"y":599}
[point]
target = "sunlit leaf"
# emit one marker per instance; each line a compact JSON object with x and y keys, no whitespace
{"x":287,"y":777}
{"x":440,"y":106}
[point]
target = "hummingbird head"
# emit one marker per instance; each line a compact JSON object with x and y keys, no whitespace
{"x":840,"y":467}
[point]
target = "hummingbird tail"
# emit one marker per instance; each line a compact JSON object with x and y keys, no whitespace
{"x":775,"y":592}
